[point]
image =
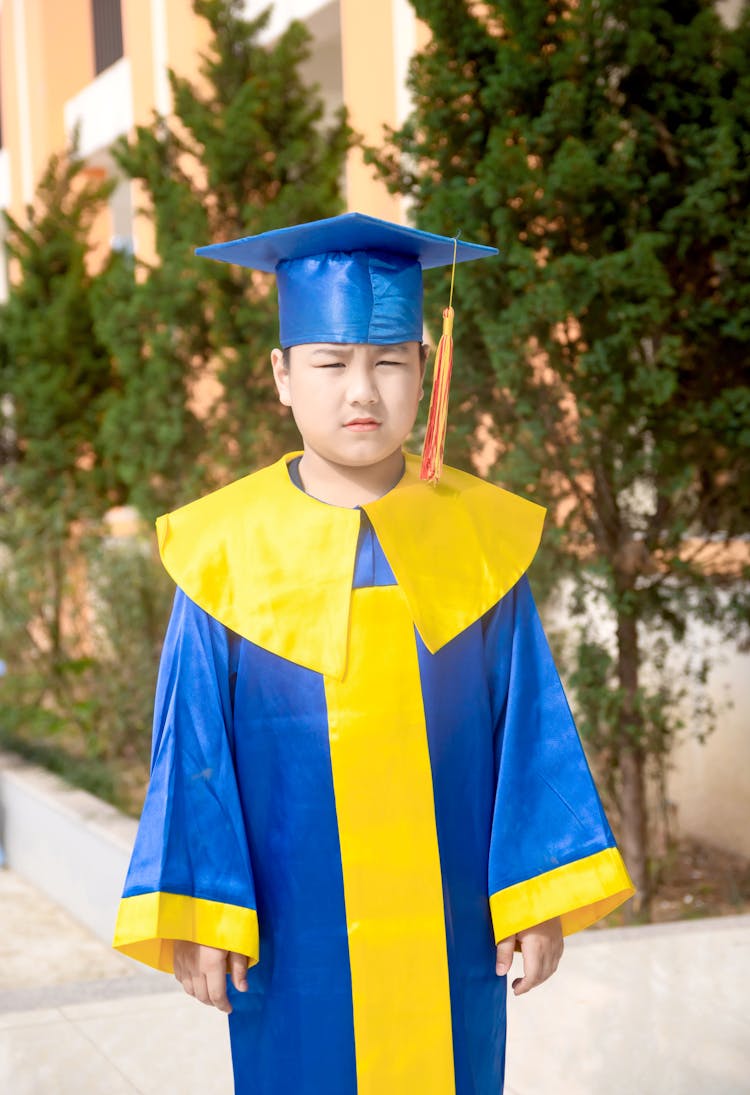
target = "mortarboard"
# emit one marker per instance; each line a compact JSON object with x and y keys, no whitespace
{"x":354,"y":279}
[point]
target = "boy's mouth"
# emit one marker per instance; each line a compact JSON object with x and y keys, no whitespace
{"x":360,"y":424}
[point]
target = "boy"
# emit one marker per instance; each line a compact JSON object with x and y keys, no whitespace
{"x":366,"y":783}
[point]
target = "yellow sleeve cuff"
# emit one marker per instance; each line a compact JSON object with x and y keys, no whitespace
{"x":580,"y":893}
{"x":148,"y":924}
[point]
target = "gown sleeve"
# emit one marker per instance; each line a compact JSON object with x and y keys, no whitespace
{"x":552,"y":852}
{"x":190,"y":875}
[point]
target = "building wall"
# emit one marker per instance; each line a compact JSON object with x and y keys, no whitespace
{"x":359,"y":54}
{"x":46,"y":53}
{"x":370,"y":31}
{"x":708,"y":783}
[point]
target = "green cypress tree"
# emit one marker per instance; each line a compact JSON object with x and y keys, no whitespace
{"x":245,"y":152}
{"x":605,"y":149}
{"x":54,"y":376}
{"x":55,"y":371}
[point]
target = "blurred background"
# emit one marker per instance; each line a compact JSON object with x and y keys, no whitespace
{"x":602,"y":362}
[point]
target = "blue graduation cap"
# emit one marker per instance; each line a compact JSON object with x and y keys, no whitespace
{"x":351,"y":279}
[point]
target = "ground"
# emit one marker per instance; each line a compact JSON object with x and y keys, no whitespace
{"x":696,"y":880}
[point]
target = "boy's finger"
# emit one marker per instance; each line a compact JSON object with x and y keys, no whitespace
{"x":532,"y":967}
{"x":200,"y":992}
{"x":504,"y":955}
{"x":180,"y":963}
{"x":526,"y":983}
{"x":238,"y":970}
{"x":216,"y":985}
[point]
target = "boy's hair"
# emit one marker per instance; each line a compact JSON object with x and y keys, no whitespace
{"x":424,"y":350}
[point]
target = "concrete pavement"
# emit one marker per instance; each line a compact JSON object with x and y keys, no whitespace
{"x":658,"y":1010}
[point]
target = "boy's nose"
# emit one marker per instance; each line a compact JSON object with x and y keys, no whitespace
{"x":362,"y":387}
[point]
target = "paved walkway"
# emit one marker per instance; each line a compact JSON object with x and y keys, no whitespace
{"x":641,"y":1011}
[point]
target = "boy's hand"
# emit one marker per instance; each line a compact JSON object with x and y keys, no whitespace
{"x":202,"y":972}
{"x":541,"y":949}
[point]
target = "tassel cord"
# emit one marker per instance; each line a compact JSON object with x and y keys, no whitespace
{"x":437,"y":419}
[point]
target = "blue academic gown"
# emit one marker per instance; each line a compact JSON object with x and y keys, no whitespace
{"x":365,"y":838}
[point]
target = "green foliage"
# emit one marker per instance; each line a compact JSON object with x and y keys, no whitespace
{"x":130,"y":595}
{"x":150,"y":437}
{"x":604,"y":150}
{"x":81,"y":622}
{"x":247,"y":150}
{"x":54,"y":372}
{"x":54,"y":379}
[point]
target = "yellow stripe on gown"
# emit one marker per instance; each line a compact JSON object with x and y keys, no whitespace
{"x":389,"y":851}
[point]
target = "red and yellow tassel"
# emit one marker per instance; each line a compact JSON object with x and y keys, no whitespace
{"x":437,"y":419}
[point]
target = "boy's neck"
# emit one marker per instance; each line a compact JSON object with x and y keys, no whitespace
{"x":346,"y":485}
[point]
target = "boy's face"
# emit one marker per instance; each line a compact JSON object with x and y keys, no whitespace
{"x":354,"y":405}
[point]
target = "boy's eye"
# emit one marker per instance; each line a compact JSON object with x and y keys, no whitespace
{"x":388,"y":361}
{"x":330,"y":365}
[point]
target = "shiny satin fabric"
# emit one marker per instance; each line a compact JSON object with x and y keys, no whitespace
{"x":347,"y":232}
{"x":377,"y":823}
{"x":454,"y":548}
{"x":350,"y":279}
{"x":357,"y":297}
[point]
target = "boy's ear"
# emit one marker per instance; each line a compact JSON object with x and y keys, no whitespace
{"x":281,"y":377}
{"x":424,"y":355}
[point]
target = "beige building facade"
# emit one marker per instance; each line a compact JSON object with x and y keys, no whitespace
{"x":101,"y":67}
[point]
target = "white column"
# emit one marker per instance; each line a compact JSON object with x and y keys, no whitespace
{"x":404,"y":44}
{"x":24,"y":108}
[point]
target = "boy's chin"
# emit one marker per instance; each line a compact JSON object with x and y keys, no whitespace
{"x":366,"y":457}
{"x":364,"y":460}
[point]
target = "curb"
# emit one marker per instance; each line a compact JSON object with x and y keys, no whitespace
{"x":69,"y":844}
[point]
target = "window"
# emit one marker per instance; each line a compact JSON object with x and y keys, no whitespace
{"x":107,"y":33}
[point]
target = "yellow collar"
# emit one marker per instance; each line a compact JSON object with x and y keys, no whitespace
{"x":276,"y":566}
